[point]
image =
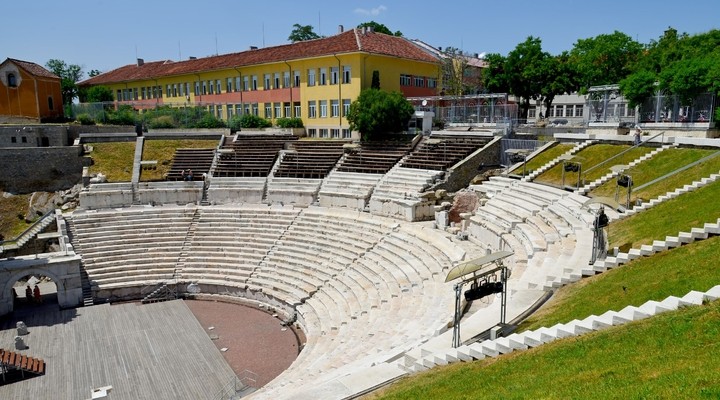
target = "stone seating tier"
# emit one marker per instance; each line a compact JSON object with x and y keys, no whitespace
{"x":197,"y":160}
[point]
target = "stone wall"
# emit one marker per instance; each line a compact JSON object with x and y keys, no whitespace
{"x":36,"y":169}
{"x":460,"y":175}
{"x":33,"y":135}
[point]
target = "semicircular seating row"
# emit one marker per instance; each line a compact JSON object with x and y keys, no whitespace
{"x":364,"y":287}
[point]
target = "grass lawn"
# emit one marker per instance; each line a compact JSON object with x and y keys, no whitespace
{"x":670,"y":273}
{"x":114,"y":159}
{"x":163,"y":151}
{"x":544,"y":157}
{"x":670,"y":356}
{"x":590,"y":157}
{"x":12,"y":215}
{"x":664,"y":163}
{"x":692,"y":209}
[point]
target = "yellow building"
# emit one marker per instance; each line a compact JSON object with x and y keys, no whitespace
{"x":28,"y":92}
{"x":315,"y":80}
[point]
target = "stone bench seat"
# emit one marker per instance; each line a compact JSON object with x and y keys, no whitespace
{"x":325,"y":267}
{"x":531,"y":238}
{"x":318,"y":252}
{"x":413,"y":257}
{"x":129,"y":273}
{"x":120,"y":227}
{"x":132,"y":280}
{"x":128,"y":259}
{"x":527,"y":205}
{"x":229,"y":272}
{"x":498,"y":217}
{"x":434,"y":251}
{"x":406,"y":274}
{"x":292,"y":273}
{"x":283,"y":279}
{"x":136,"y":265}
{"x":331,"y":227}
{"x":363,"y":220}
{"x":278,"y":289}
{"x":382,"y":276}
{"x":106,"y":249}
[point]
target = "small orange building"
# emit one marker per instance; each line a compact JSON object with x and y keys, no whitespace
{"x":28,"y":91}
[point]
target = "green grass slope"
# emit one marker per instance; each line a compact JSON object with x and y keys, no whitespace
{"x":114,"y":159}
{"x":671,"y":356}
{"x":544,"y":157}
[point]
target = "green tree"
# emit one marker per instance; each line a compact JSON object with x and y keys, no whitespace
{"x":376,"y":113}
{"x":381,"y":28}
{"x":301,"y":33}
{"x":605,"y":59}
{"x":494,"y":78}
{"x":454,"y":71}
{"x":69,"y":77}
{"x":557,"y":77}
{"x":525,"y":68}
{"x":94,"y":72}
{"x":95,"y":94}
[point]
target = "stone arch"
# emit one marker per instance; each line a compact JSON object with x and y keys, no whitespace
{"x":67,"y":294}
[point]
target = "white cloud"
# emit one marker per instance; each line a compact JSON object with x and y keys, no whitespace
{"x":373,"y":11}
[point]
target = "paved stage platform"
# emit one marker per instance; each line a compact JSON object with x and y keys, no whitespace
{"x":153,"y":351}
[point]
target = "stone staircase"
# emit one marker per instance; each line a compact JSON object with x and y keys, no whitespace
{"x":538,"y":337}
{"x":187,"y":245}
{"x":554,"y":161}
{"x":29,"y":233}
{"x":671,"y":195}
{"x":594,"y":184}
{"x":656,"y":247}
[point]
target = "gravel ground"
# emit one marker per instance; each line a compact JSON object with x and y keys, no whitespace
{"x":255,"y":340}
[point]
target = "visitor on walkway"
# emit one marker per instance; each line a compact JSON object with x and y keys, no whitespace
{"x":638,"y":132}
{"x":36,"y":294}
{"x":28,"y":294}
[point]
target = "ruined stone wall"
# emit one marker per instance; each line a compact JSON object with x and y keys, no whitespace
{"x":460,"y":175}
{"x":34,"y":169}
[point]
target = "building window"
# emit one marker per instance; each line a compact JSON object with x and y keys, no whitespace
{"x":277,"y":108}
{"x":197,"y":88}
{"x":219,"y":111}
{"x":119,"y":95}
{"x":175,"y":90}
{"x":312,"y":110}
{"x":311,"y":132}
{"x":297,"y":78}
{"x":323,"y":133}
{"x":204,"y":88}
{"x":323,"y":108}
{"x":11,"y":80}
{"x":246,"y":83}
{"x":254,"y":82}
{"x":346,"y":107}
{"x":247,"y":108}
{"x":297,"y":108}
{"x":237,"y":83}
{"x":24,"y":139}
{"x":286,"y":79}
{"x":311,"y":77}
{"x":187,"y":90}
{"x":531,"y":112}
{"x":268,"y":110}
{"x":432,"y":83}
{"x":211,"y":87}
{"x":229,"y":111}
{"x":238,"y":109}
{"x":168,"y":90}
{"x":334,"y":75}
{"x":335,"y":133}
{"x":135,"y":93}
{"x":419,"y":81}
{"x":13,"y":139}
{"x":181,"y":90}
{"x":346,"y":133}
{"x":323,"y":76}
{"x":255,"y":109}
{"x":286,"y":106}
{"x":217,"y":87}
{"x":267,"y":82}
{"x":346,"y":74}
{"x":277,"y":80}
{"x":579,"y":111}
{"x":404,"y":80}
{"x":143,"y":93}
{"x":334,"y":108}
{"x":229,"y":85}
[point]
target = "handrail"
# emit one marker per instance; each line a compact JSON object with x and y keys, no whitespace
{"x":27,"y":230}
{"x":623,"y":152}
{"x":677,"y":171}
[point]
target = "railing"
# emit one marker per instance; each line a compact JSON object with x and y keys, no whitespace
{"x":23,"y":237}
{"x":677,"y":171}
{"x":245,"y":381}
{"x":624,"y":151}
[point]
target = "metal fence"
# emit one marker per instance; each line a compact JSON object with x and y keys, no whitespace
{"x":508,"y":159}
{"x":670,"y":108}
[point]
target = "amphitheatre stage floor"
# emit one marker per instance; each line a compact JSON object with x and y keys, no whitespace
{"x":153,"y":351}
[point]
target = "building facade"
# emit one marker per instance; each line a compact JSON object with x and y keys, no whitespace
{"x":28,"y":92}
{"x":315,"y":80}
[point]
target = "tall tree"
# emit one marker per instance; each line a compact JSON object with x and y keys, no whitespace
{"x":301,"y":33}
{"x":525,"y":68}
{"x":69,"y":75}
{"x":495,"y":80}
{"x":95,"y":94}
{"x":558,"y":77}
{"x":605,"y":59}
{"x":378,"y":27}
{"x":376,"y":113}
{"x":454,"y":72}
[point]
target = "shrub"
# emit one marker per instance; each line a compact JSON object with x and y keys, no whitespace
{"x":253,"y":121}
{"x":124,"y":115}
{"x":208,"y":121}
{"x":162,"y":122}
{"x":85,"y":119}
{"x":289,"y":122}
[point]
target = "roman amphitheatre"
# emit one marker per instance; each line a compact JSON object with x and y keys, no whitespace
{"x":355,"y":252}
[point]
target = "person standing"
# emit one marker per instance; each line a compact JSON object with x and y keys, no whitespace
{"x":36,"y":294}
{"x":638,"y":132}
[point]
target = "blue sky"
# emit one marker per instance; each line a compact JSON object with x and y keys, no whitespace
{"x":106,"y":34}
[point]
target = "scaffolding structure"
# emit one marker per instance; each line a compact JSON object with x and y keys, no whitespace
{"x":489,"y":108}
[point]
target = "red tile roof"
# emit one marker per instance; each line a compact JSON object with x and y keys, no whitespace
{"x":32,"y":68}
{"x":350,"y":41}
